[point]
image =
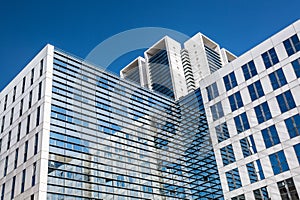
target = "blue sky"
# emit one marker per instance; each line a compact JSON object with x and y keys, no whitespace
{"x":78,"y":26}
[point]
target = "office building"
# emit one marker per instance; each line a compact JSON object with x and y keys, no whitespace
{"x":189,"y":121}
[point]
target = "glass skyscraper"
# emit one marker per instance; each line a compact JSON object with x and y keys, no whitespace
{"x":192,"y":122}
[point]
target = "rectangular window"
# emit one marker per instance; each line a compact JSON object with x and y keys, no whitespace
{"x":287,"y":189}
{"x":261,"y":194}
{"x":217,"y":111}
{"x":233,"y":179}
{"x":277,"y":79}
{"x":14,"y":94}
{"x":235,"y":101}
{"x":40,"y":91}
{"x":36,"y":143}
{"x":222,"y":132}
{"x":3,"y":191}
{"x":286,"y":101}
{"x":252,"y":172}
{"x":41,"y":67}
{"x":249,"y":70}
{"x":262,"y":112}
{"x":239,"y":197}
{"x":25,"y":151}
{"x":241,"y":122}
{"x":3,"y":122}
{"x":248,"y":146}
{"x":296,"y":66}
{"x":260,"y":170}
{"x":23,"y":85}
{"x":292,"y":45}
{"x":5,"y":102}
{"x":21,"y":107}
{"x":23,"y":181}
{"x":278,"y":162}
{"x":0,"y":144}
{"x":30,"y":99}
{"x":227,"y":155}
{"x":270,"y":136}
{"x":19,"y":132}
{"x":297,"y":151}
{"x":38,"y":113}
{"x":8,"y":139}
{"x":12,"y":194}
{"x":230,"y":81}
{"x":12,"y":116}
{"x":33,"y":174}
{"x":16,"y":158}
{"x":212,"y":91}
{"x":255,"y":90}
{"x":5,"y":166}
{"x":32,"y":76}
{"x":270,"y":58}
{"x":28,"y":124}
{"x":32,"y":197}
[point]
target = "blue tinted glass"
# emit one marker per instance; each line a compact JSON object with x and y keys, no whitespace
{"x":278,"y":162}
{"x":233,"y":79}
{"x":245,"y":147}
{"x":252,"y":172}
{"x":288,"y":47}
{"x":273,"y":56}
{"x":232,"y":103}
{"x":296,"y":66}
{"x":260,"y":170}
{"x":293,"y":125}
{"x":246,"y":72}
{"x":286,"y":101}
{"x":277,"y":79}
{"x":266,"y":60}
{"x":259,"y":89}
{"x":253,"y":143}
{"x":296,"y":42}
{"x":297,"y":151}
{"x":226,"y":82}
{"x":245,"y":121}
{"x":270,"y":136}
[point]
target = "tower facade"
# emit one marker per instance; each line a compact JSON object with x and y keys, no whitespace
{"x":191,"y":122}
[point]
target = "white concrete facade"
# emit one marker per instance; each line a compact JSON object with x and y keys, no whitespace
{"x":41,"y":66}
{"x":286,"y":143}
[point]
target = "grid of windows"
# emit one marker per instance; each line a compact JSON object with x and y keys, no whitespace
{"x":255,"y":90}
{"x":222,"y":132}
{"x":217,"y":111}
{"x":132,"y":174}
{"x":227,"y":155}
{"x":235,"y":101}
{"x":292,"y":45}
{"x":270,"y":58}
{"x":286,"y":101}
{"x":277,"y":79}
{"x":261,"y":194}
{"x":241,"y":122}
{"x":249,"y":70}
{"x":248,"y":146}
{"x":233,"y":179}
{"x":270,"y":136}
{"x":296,"y":66}
{"x":278,"y":162}
{"x":262,"y":112}
{"x":287,"y":189}
{"x":230,"y":81}
{"x":212,"y":91}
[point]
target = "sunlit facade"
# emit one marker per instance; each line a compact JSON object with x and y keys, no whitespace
{"x":188,"y":121}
